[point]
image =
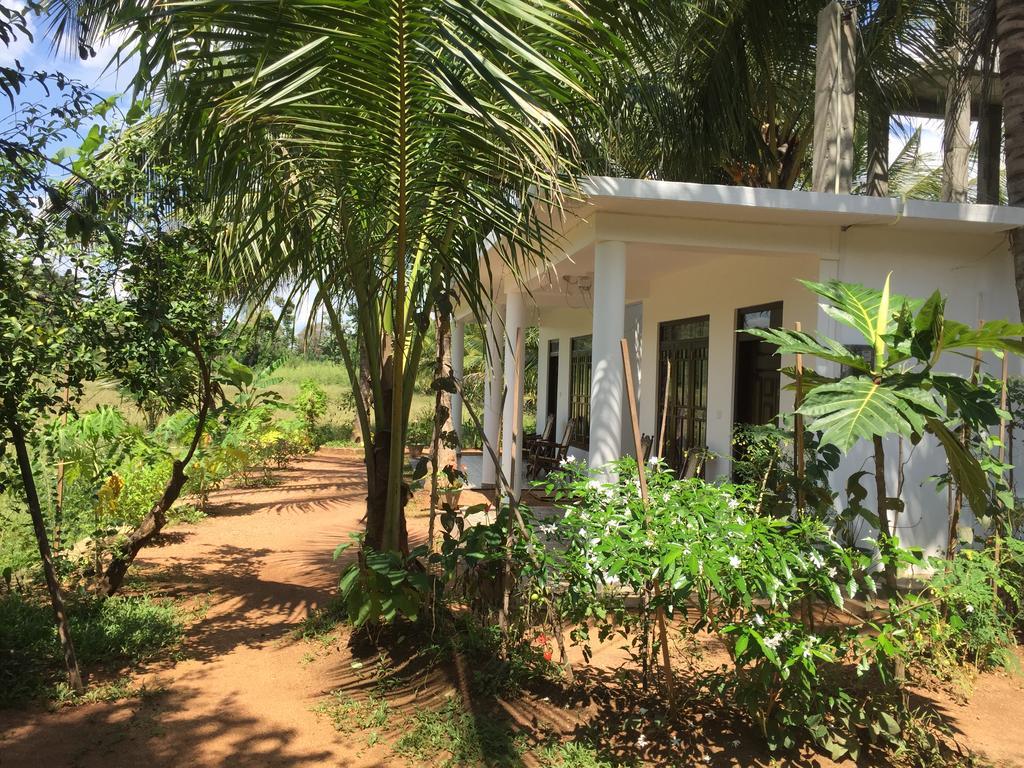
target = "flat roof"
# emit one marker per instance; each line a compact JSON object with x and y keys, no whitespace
{"x":782,"y":206}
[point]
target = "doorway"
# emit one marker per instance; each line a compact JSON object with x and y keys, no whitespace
{"x":757,"y":378}
{"x":683,"y":375}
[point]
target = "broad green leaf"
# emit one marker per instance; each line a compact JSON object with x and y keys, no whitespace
{"x":964,"y":467}
{"x":859,"y":408}
{"x":882,"y":324}
{"x":797,"y":342}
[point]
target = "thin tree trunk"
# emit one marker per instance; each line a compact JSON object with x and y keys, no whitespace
{"x":1010,"y":38}
{"x":440,"y":455}
{"x":156,"y":519}
{"x":52,"y":585}
{"x":882,"y":506}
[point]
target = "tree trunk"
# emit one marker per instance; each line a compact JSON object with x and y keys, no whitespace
{"x":1010,"y":38}
{"x":144,"y":532}
{"x":441,"y":455}
{"x":52,"y":585}
{"x":156,"y":519}
{"x":882,"y":506}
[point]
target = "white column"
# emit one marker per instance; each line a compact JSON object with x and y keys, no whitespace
{"x":512,"y":417}
{"x":492,"y":399}
{"x":607,"y":384}
{"x":834,"y":99}
{"x":458,"y":356}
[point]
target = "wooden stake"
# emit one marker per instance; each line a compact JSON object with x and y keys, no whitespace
{"x":1002,"y":460}
{"x":642,"y":475}
{"x":664,"y":409}
{"x":798,"y":431}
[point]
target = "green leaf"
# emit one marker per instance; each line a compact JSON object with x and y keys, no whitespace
{"x":859,"y":408}
{"x":964,"y":467}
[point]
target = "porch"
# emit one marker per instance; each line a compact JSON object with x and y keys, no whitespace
{"x":679,"y":270}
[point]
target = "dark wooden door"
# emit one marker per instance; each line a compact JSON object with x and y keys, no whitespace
{"x":552,"y":383}
{"x":683,"y":371}
{"x":758,"y":381}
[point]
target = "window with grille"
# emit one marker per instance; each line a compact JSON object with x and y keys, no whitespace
{"x":579,"y":388}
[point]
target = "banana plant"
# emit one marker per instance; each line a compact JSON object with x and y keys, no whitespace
{"x":896,"y":389}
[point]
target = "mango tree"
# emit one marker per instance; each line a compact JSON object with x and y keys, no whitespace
{"x":896,"y":388}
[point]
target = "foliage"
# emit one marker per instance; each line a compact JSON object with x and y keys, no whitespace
{"x":421,"y":428}
{"x":380,"y":586}
{"x":311,"y":404}
{"x":897,"y":389}
{"x":969,"y":611}
{"x":750,"y":579}
{"x":117,"y":631}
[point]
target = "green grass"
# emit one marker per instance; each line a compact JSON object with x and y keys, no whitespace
{"x":465,"y":739}
{"x":119,"y":631}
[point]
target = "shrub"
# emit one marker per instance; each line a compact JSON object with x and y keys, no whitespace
{"x":116,"y":631}
{"x":311,"y":403}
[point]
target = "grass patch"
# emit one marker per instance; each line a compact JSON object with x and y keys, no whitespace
{"x":322,"y":622}
{"x":455,"y":737}
{"x":108,"y":633}
{"x":349,"y":715}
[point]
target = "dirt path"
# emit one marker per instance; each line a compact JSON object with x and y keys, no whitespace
{"x":244,"y":694}
{"x":245,"y":691}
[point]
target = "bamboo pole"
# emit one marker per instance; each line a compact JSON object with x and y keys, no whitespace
{"x":664,"y":409}
{"x":642,"y":475}
{"x":1002,"y":460}
{"x":798,"y":431}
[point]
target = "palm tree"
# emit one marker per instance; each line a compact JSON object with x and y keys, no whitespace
{"x":364,"y":149}
{"x":1010,"y":37}
{"x":724,"y":90}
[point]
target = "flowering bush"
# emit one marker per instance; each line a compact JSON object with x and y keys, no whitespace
{"x":700,"y":552}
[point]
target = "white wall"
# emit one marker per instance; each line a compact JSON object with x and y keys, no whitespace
{"x":975,"y":274}
{"x":718,"y":288}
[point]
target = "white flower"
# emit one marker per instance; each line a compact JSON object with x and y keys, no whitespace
{"x":550,"y":529}
{"x":653,"y":460}
{"x":595,"y":541}
{"x":734,"y":561}
{"x":734,"y":503}
{"x":774,"y":641}
{"x":667,"y":498}
{"x":758,"y":620}
{"x":642,"y":741}
{"x":583,"y":533}
{"x":970,"y":608}
{"x":832,"y":572}
{"x":816,"y":559}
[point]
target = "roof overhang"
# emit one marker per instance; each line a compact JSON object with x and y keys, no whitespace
{"x":778,"y":206}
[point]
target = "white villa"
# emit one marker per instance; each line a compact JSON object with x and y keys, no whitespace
{"x":678,"y":269}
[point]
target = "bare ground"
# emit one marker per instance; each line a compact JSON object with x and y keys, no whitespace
{"x":244,"y":693}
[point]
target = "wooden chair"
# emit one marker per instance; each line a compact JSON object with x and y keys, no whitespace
{"x":548,"y":455}
{"x":646,"y":443}
{"x":530,"y":441}
{"x":694,"y":464}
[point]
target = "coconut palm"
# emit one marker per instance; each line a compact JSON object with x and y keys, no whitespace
{"x":363,"y":149}
{"x":724,"y":90}
{"x":1010,"y":36}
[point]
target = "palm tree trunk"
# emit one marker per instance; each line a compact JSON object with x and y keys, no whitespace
{"x":1010,"y":38}
{"x":56,"y":598}
{"x":440,"y":454}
